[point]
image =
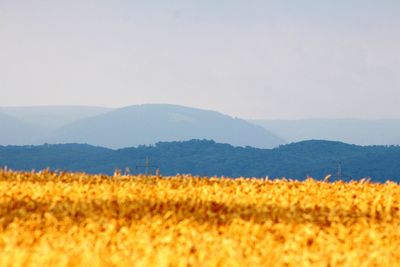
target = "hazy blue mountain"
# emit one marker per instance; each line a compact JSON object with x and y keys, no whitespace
{"x":207,"y":158}
{"x":52,"y":117}
{"x":353,"y":131}
{"x":15,"y":131}
{"x":148,"y":124}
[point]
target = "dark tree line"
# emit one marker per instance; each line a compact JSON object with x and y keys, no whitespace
{"x":207,"y":158}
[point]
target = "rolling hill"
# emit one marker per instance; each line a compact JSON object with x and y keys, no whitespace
{"x":127,"y":127}
{"x":207,"y":158}
{"x":352,"y":131}
{"x":148,"y":124}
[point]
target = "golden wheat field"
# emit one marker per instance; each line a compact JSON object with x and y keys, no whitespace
{"x":65,"y":219}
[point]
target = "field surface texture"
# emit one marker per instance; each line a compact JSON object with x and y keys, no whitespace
{"x":50,"y":219}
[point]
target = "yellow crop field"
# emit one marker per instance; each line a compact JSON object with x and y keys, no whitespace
{"x":66,"y":219}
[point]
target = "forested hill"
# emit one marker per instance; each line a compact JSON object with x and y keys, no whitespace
{"x":201,"y":157}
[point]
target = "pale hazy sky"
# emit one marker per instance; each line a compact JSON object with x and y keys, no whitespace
{"x":251,"y":59}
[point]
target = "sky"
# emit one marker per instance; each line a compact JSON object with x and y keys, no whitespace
{"x":254,"y":59}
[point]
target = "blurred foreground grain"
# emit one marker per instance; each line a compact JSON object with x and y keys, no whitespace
{"x":50,"y":219}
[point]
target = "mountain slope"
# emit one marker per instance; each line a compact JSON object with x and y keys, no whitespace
{"x":148,"y":124}
{"x":207,"y":158}
{"x":353,"y":131}
{"x":15,"y":131}
{"x":52,"y":117}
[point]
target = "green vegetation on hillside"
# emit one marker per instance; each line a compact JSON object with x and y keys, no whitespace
{"x":201,"y":157}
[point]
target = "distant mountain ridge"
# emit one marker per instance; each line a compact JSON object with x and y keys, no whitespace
{"x":148,"y":124}
{"x":207,"y":158}
{"x":77,"y":124}
{"x":132,"y":126}
{"x":52,"y":117}
{"x":16,"y":131}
